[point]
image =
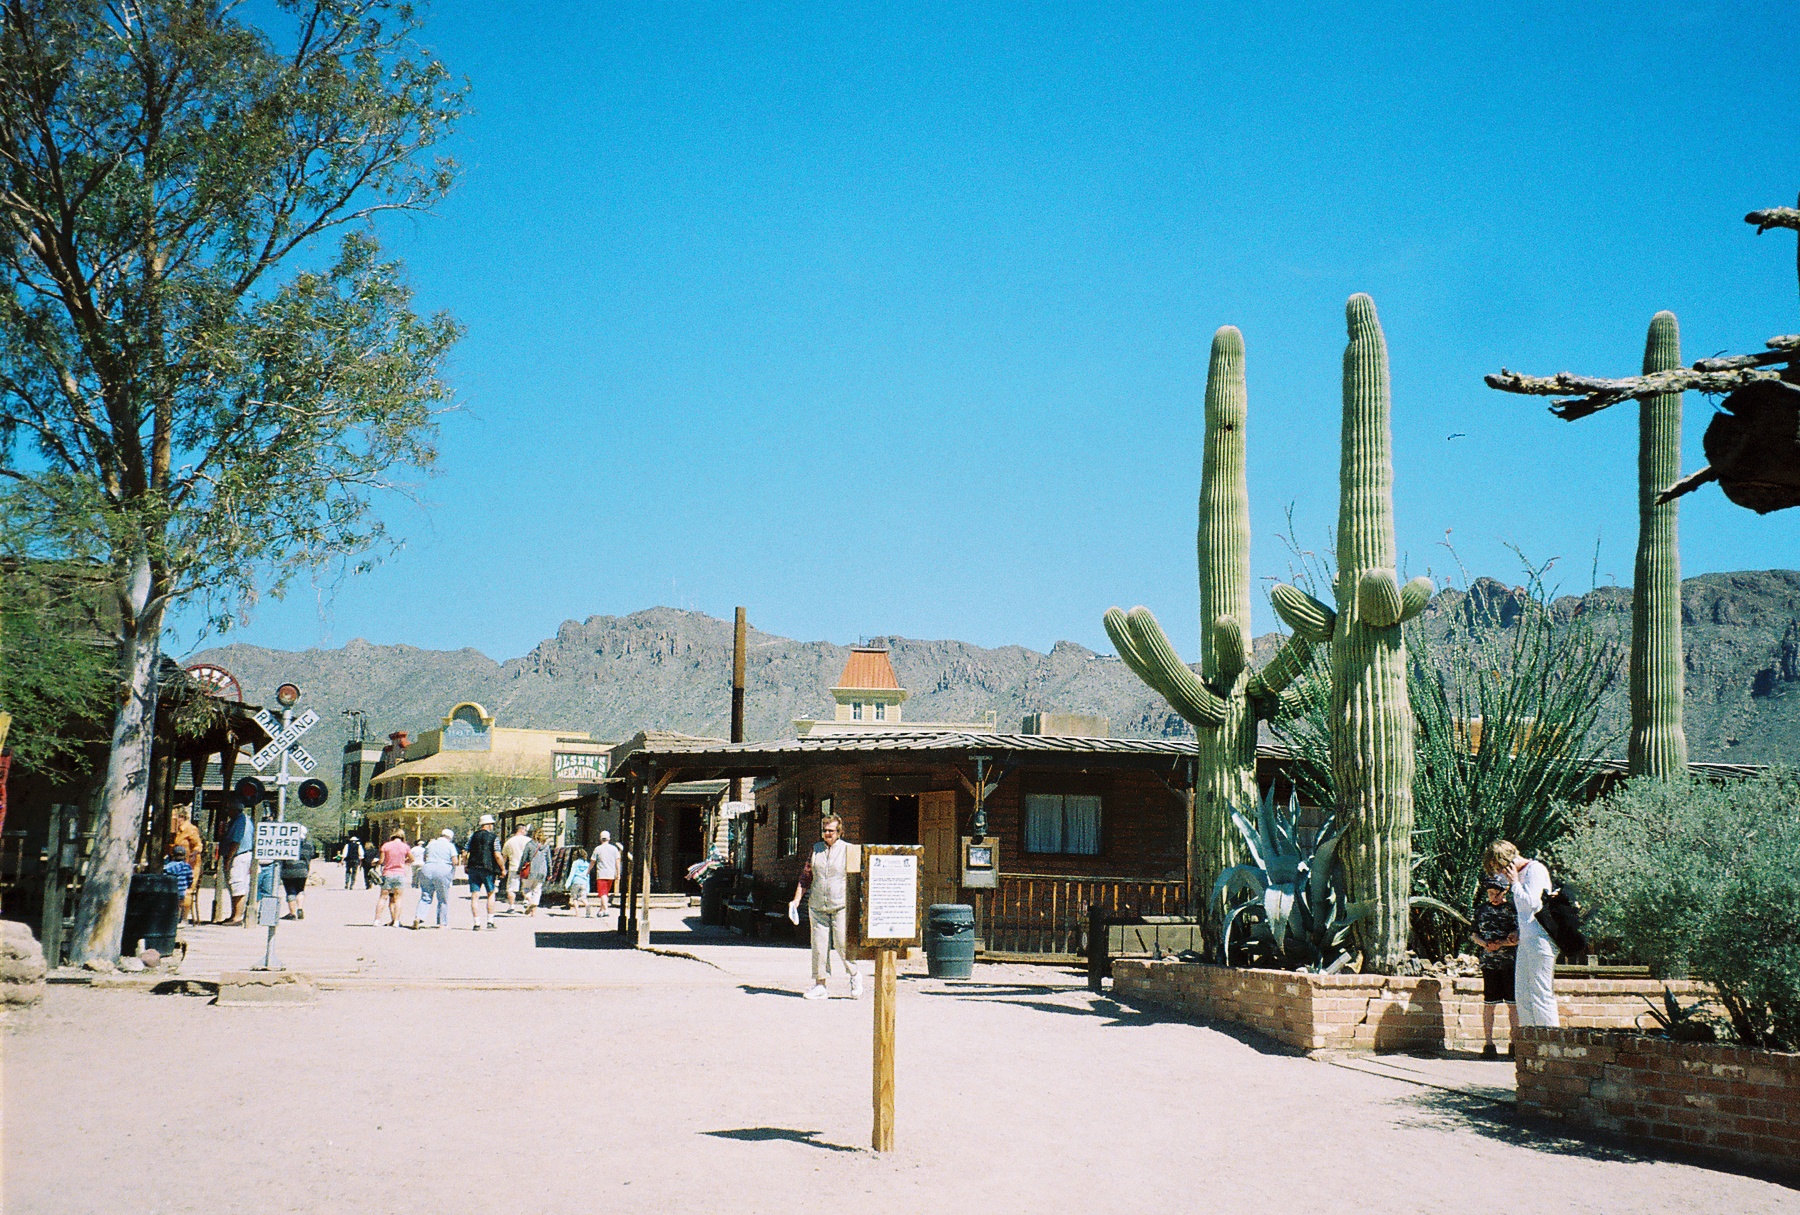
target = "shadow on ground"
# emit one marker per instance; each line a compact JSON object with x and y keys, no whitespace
{"x":1118,"y":1014}
{"x":763,"y":1134}
{"x":1442,"y":1109}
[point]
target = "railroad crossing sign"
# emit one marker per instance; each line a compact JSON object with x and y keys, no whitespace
{"x":284,"y":738}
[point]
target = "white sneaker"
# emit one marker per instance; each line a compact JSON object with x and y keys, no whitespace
{"x":817,"y":992}
{"x":856,"y":985}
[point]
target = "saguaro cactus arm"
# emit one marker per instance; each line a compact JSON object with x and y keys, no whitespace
{"x":1289,"y":663}
{"x":1146,"y":650}
{"x":1305,"y":615}
{"x":1414,"y":596}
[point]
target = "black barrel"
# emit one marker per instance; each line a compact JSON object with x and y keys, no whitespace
{"x":152,"y":912}
{"x":950,"y":941}
{"x":715,"y":888}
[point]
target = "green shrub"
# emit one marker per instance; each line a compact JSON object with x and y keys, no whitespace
{"x":1704,"y":879}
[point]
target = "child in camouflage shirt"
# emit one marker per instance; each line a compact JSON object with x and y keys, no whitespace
{"x":1496,"y":934}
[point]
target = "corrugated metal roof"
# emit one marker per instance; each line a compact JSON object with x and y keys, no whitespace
{"x":916,"y":741}
{"x":869,"y":668}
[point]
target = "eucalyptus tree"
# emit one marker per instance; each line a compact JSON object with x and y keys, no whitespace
{"x":209,"y":372}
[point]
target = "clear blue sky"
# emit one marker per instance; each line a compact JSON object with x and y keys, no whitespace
{"x":894,"y":319}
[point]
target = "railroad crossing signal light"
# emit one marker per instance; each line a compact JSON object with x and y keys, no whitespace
{"x":250,"y":790}
{"x":313,"y":793}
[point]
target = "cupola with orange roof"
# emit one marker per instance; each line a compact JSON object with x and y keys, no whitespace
{"x":868,"y":689}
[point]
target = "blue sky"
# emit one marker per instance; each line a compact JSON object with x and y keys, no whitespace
{"x":894,"y":318}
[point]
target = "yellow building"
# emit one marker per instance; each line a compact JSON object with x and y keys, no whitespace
{"x":468,"y":766}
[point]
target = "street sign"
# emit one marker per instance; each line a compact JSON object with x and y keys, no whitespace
{"x":278,"y":842}
{"x":890,"y":895}
{"x":283,"y":738}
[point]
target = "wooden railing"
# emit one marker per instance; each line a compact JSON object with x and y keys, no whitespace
{"x":1033,"y":913}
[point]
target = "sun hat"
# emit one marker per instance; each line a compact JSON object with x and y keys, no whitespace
{"x":487,"y":820}
{"x":447,"y":833}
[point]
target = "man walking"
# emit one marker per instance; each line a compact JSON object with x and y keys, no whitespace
{"x":514,"y":854}
{"x":606,"y":867}
{"x":353,"y":858}
{"x":827,"y":874}
{"x":236,"y":835}
{"x":483,"y":862}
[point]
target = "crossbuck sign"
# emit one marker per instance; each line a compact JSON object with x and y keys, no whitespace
{"x":284,"y":738}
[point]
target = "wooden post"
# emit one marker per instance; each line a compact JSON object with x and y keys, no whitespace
{"x":627,"y":859}
{"x":51,"y":933}
{"x":882,"y":1139}
{"x":644,"y":868}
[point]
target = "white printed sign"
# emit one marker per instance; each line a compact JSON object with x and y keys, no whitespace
{"x":283,"y":738}
{"x":278,"y":841}
{"x":891,"y":895}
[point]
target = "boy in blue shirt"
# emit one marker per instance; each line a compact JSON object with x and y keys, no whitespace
{"x":182,"y":871}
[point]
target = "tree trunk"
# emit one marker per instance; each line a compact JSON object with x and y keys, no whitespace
{"x":100,"y":919}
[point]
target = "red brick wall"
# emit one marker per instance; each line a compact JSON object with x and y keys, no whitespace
{"x":1367,"y":1012}
{"x":1723,"y":1101}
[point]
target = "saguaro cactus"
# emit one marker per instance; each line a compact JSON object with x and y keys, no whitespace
{"x":1226,"y":700}
{"x":1658,"y":744}
{"x":1371,"y":719}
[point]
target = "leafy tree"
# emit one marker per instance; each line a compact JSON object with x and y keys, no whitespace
{"x":193,"y":386}
{"x":55,"y":665}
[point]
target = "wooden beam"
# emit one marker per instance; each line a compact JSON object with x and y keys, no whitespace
{"x":645,"y":856}
{"x":882,"y":1137}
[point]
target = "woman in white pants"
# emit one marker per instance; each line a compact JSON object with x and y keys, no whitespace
{"x":823,"y":884}
{"x":435,"y":876}
{"x":1534,"y":974}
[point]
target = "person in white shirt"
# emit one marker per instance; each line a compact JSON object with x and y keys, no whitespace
{"x":435,"y":875}
{"x":827,"y":875}
{"x":606,"y":867}
{"x":1534,"y":972}
{"x":514,"y":852}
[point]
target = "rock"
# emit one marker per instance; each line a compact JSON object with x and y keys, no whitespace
{"x":99,"y":966}
{"x":131,"y":965}
{"x":21,"y":965}
{"x":149,"y":957}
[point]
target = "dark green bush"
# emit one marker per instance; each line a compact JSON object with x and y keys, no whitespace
{"x":1702,"y":878}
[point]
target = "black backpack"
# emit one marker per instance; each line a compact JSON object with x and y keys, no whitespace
{"x":1560,"y":916}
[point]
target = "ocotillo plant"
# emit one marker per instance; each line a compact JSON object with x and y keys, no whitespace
{"x":1658,"y":745}
{"x":1226,"y":700}
{"x":1371,"y":719}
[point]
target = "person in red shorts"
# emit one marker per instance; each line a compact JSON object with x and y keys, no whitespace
{"x":606,"y":867}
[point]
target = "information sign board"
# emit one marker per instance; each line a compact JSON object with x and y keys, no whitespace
{"x":890,"y":895}
{"x":278,"y":841}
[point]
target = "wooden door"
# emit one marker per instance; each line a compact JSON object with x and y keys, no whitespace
{"x":937,"y":832}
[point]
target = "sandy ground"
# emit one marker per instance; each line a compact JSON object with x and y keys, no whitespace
{"x":664,"y":1083}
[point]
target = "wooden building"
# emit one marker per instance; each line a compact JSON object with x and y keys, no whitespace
{"x":1076,"y":820}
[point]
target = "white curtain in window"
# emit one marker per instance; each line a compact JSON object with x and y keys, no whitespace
{"x":1043,"y":822}
{"x":1081,"y":825}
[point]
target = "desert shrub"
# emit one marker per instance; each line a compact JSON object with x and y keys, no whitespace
{"x":1702,"y":878}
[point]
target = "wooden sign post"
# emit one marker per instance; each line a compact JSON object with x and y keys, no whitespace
{"x":889,"y":922}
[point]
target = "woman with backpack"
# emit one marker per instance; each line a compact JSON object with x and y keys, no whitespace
{"x":294,"y":875}
{"x":1534,"y":970}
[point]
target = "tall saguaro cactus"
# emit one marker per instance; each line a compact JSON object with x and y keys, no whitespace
{"x":1371,"y":719}
{"x":1227,"y":699}
{"x":1658,"y":745}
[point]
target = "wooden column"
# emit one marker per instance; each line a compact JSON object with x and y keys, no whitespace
{"x":882,"y":1138}
{"x":628,"y":861}
{"x":645,"y":856}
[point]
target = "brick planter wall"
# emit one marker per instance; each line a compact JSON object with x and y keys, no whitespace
{"x":1720,"y":1101}
{"x":1367,"y":1012}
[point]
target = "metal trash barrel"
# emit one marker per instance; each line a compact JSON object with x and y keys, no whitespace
{"x":152,"y":912}
{"x":715,"y":888}
{"x":950,"y":941}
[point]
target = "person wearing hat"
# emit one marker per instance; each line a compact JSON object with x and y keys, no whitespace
{"x":1496,"y":934}
{"x":606,"y":867}
{"x":435,"y":875}
{"x":482,"y":860}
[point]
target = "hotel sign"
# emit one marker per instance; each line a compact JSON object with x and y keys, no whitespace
{"x":578,"y":766}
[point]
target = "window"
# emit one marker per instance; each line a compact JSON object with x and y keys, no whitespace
{"x":1068,"y":823}
{"x":856,"y":710}
{"x":880,"y":710}
{"x":788,"y":829}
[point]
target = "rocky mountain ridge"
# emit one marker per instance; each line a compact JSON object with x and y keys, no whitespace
{"x":671,"y":669}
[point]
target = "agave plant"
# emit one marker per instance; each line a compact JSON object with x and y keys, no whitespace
{"x":1290,"y":906}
